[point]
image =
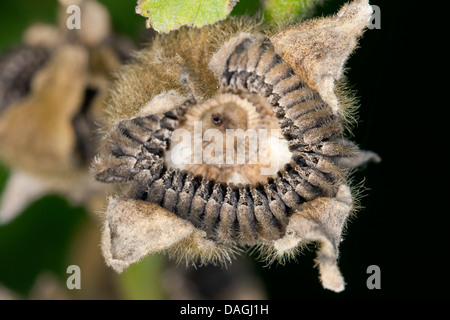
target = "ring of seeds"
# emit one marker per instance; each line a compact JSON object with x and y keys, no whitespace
{"x":228,"y":212}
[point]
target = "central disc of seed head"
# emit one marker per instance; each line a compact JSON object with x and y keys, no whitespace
{"x":233,"y":138}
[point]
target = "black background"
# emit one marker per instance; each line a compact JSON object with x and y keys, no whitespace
{"x":402,"y":227}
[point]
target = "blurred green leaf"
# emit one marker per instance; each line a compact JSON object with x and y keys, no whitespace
{"x":17,"y":15}
{"x":281,"y":11}
{"x":124,"y":19}
{"x":36,"y":241}
{"x":3,"y":177}
{"x":246,"y":7}
{"x":168,"y":15}
{"x":142,"y":280}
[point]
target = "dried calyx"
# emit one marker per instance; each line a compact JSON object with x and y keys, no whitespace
{"x":202,"y":211}
{"x":52,"y":90}
{"x":34,"y":78}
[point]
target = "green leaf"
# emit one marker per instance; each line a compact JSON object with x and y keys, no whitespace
{"x":167,"y":15}
{"x":246,"y":7}
{"x":142,"y":281}
{"x":281,"y":11}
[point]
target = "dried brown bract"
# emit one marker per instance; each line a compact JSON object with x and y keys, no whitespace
{"x":52,"y":90}
{"x":232,"y":76}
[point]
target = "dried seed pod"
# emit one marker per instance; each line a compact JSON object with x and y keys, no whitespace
{"x":18,"y":67}
{"x":195,"y":86}
{"x":52,"y":90}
